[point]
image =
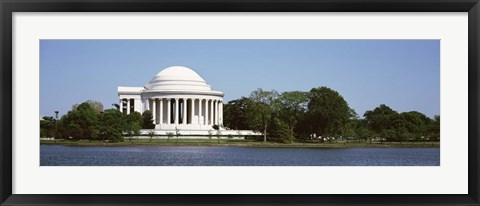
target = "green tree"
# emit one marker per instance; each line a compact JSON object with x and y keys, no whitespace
{"x":293,"y":106}
{"x":381,"y":119}
{"x":350,"y":127}
{"x":328,"y":112}
{"x":95,"y":105}
{"x":416,"y":124}
{"x":80,"y":123}
{"x":132,"y":130}
{"x":280,"y":131}
{"x":135,"y":117}
{"x":147,"y":117}
{"x":115,"y":119}
{"x":400,"y":128}
{"x":235,"y":114}
{"x":134,"y":123}
{"x":262,"y":109}
{"x":394,"y":126}
{"x":433,"y":128}
{"x":305,"y":127}
{"x":47,"y":127}
{"x":361,"y":130}
{"x":111,"y":134}
{"x":389,"y":134}
{"x":350,"y":130}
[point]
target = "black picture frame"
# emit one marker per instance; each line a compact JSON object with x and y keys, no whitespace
{"x":7,"y":7}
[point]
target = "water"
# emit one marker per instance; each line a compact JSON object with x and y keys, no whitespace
{"x":235,"y":156}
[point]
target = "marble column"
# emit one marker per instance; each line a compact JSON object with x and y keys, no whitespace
{"x":147,"y":104}
{"x":176,"y":111}
{"x":192,"y":110}
{"x":211,"y":113}
{"x":128,"y":106}
{"x":216,"y":112}
{"x":160,"y":101}
{"x":206,"y":112}
{"x":200,"y":111}
{"x":121,"y":105}
{"x":184,"y":120}
{"x":169,"y":111}
{"x":220,"y":117}
{"x":154,"y":110}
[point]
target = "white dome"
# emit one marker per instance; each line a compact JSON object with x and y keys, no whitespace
{"x":178,"y":78}
{"x":178,"y":73}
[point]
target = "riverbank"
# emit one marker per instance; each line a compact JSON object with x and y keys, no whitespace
{"x":235,"y":143}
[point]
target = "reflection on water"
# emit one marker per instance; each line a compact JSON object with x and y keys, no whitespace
{"x":235,"y":156}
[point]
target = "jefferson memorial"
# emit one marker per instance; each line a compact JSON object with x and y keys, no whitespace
{"x":178,"y":98}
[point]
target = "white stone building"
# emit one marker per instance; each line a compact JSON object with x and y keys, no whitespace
{"x":178,"y":98}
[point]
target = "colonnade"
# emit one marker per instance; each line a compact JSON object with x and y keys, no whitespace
{"x":186,"y":111}
{"x":130,"y":105}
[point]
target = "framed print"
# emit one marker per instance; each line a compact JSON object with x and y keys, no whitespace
{"x":207,"y":102}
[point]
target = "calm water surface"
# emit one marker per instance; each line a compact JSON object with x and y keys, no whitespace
{"x":236,"y":156}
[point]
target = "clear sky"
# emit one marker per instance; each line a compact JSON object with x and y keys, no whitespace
{"x":403,"y":74}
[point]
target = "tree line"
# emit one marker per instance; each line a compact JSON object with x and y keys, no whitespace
{"x":323,"y":114}
{"x":89,"y":120}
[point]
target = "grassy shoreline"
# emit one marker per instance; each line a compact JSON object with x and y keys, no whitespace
{"x":235,"y":143}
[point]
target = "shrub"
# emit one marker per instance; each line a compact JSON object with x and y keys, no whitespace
{"x":111,"y":134}
{"x":147,"y":120}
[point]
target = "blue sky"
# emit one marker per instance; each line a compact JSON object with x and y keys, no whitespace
{"x":403,"y":74}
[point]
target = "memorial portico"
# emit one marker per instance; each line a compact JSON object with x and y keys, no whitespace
{"x":178,"y":98}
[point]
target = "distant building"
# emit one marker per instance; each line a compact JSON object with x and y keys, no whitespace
{"x":178,"y":98}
